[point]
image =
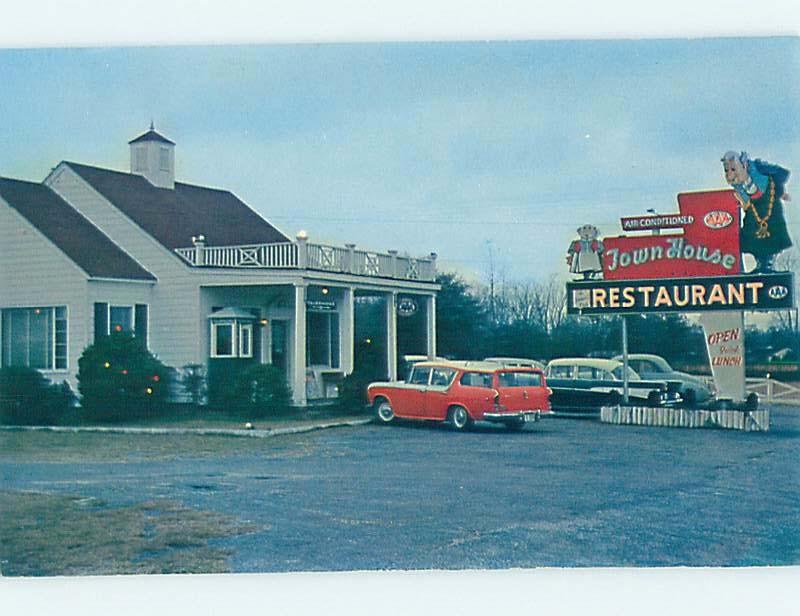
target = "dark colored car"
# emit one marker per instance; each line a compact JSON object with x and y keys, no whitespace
{"x":583,"y":384}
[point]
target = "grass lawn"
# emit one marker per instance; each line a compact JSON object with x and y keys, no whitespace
{"x":46,"y":535}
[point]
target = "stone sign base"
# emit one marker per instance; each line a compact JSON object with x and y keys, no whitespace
{"x":755,"y":421}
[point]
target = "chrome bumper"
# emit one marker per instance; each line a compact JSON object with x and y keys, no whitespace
{"x":526,"y":416}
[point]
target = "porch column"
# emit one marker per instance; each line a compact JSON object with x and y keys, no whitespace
{"x":299,"y":355}
{"x":391,"y":335}
{"x":430,"y":325}
{"x":347,"y":320}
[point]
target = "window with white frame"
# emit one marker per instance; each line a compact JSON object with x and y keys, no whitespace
{"x":112,"y":318}
{"x":34,"y":337}
{"x":231,"y":339}
{"x":322,"y":339}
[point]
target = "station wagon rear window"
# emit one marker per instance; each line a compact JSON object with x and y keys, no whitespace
{"x":519,"y":379}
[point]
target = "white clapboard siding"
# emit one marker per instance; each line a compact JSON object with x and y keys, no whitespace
{"x":755,"y":421}
{"x":50,"y":279}
{"x":174,"y":311}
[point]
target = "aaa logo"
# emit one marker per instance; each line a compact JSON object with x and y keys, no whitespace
{"x":718,"y":219}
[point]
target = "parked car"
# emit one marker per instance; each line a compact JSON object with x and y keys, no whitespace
{"x":463,"y":392}
{"x":408,"y":361}
{"x":516,"y":362}
{"x":585,"y":384}
{"x":693,"y":389}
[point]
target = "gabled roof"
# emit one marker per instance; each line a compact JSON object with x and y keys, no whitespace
{"x":78,"y":238}
{"x":173,"y":216}
{"x":151,"y":135}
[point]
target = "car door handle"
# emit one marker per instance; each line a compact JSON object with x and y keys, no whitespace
{"x":524,"y":394}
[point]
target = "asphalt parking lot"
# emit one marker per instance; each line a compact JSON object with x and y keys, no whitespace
{"x":563,"y":493}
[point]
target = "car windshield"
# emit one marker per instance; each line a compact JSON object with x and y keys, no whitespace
{"x":442,"y":377}
{"x":419,"y":375}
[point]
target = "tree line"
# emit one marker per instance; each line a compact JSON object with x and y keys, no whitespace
{"x":528,"y":319}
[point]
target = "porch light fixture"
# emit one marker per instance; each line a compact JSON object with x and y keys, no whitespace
{"x":324,"y":290}
{"x":264,"y":322}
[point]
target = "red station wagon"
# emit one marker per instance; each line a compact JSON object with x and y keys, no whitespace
{"x":462,"y":392}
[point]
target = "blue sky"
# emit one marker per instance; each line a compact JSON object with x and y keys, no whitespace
{"x":457,"y":148}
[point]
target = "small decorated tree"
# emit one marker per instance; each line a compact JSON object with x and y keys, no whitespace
{"x":118,"y":378}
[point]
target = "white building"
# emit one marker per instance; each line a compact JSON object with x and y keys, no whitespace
{"x":197,"y":273}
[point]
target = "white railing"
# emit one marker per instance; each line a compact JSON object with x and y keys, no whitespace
{"x":304,"y":255}
{"x":771,"y":391}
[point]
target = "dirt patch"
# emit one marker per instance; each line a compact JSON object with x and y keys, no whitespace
{"x":46,"y":534}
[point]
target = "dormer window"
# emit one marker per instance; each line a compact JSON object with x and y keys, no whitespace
{"x":163,"y":159}
{"x":140,"y":159}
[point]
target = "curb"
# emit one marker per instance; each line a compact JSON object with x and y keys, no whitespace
{"x":190,"y":431}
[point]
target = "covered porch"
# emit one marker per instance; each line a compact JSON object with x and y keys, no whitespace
{"x":317,"y":329}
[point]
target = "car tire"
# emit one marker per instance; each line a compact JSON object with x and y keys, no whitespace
{"x":654,"y":398}
{"x":751,"y":403}
{"x":690,"y":397}
{"x":459,"y":418}
{"x":384,"y":413}
{"x":516,"y":425}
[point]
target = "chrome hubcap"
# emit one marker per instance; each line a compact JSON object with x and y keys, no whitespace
{"x":385,"y":411}
{"x":459,"y":418}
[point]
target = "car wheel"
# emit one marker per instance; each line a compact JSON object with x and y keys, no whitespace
{"x":751,"y":404}
{"x":654,"y":398}
{"x":384,"y":413}
{"x":690,"y":397}
{"x":459,"y":418}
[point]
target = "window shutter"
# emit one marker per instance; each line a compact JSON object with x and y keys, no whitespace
{"x":140,"y":322}
{"x":100,"y":320}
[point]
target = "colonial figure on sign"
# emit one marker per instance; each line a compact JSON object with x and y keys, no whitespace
{"x":585,"y":254}
{"x":760,"y":189}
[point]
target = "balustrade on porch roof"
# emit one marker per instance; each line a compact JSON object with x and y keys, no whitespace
{"x":304,"y":255}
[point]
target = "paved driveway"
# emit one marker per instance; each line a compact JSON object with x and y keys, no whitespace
{"x":566,"y":492}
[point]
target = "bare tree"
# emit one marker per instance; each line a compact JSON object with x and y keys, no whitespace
{"x":539,"y":303}
{"x":787,"y":320}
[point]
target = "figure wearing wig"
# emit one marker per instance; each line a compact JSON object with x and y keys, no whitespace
{"x":760,"y":189}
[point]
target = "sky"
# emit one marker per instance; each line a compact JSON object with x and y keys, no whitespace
{"x":488,"y":153}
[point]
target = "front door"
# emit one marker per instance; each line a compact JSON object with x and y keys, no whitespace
{"x":279,"y":336}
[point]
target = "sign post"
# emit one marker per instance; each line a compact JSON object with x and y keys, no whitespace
{"x":625,"y":392}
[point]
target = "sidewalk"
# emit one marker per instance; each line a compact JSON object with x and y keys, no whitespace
{"x":260,"y":429}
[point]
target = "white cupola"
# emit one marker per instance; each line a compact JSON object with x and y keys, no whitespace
{"x":153,"y":156}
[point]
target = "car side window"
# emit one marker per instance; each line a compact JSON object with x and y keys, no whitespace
{"x":476,"y":379}
{"x":442,"y":376}
{"x":507,"y":379}
{"x":419,"y":375}
{"x":586,"y":372}
{"x":561,"y":372}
